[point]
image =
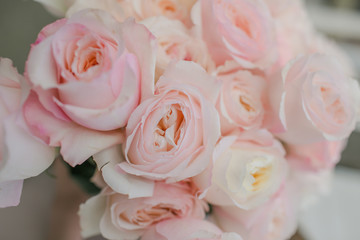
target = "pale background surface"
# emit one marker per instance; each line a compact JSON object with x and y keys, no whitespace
{"x":335,"y":217}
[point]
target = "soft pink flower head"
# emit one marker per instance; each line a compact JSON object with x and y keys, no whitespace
{"x":172,"y":9}
{"x":274,"y":220}
{"x":295,"y":33}
{"x":34,"y":156}
{"x":240,"y":102}
{"x":96,"y":69}
{"x":240,"y":30}
{"x":187,"y":228}
{"x":248,"y":169}
{"x":176,"y":42}
{"x":314,"y":100}
{"x":172,"y":135}
{"x":87,"y":73}
{"x":124,"y":218}
{"x":316,"y":156}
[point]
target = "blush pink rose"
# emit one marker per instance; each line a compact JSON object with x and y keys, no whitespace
{"x":97,"y":69}
{"x":274,"y":220}
{"x":316,"y":156}
{"x":314,"y":100}
{"x":172,"y":135}
{"x":240,"y":101}
{"x":34,"y":156}
{"x":248,"y":168}
{"x":187,"y":228}
{"x":240,"y":30}
{"x":89,"y":73}
{"x":124,"y":218}
{"x":172,"y":9}
{"x":295,"y":33}
{"x":177,"y":42}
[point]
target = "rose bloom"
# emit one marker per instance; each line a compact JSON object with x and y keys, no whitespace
{"x":34,"y":156}
{"x":139,"y":9}
{"x":88,"y":73}
{"x":314,"y":100}
{"x":295,"y":33}
{"x":172,"y":135}
{"x":316,"y":156}
{"x":116,"y":216}
{"x":172,"y":9}
{"x":274,"y":220}
{"x":248,"y":169}
{"x":240,"y":101}
{"x":187,"y":228}
{"x":240,"y":30}
{"x":177,"y":42}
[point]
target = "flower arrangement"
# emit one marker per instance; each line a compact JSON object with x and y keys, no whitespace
{"x":206,"y":119}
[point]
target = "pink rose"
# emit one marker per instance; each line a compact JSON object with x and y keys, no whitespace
{"x":176,"y":42}
{"x":240,"y":101}
{"x":295,"y":33}
{"x":314,"y":100}
{"x":118,"y":217}
{"x":172,"y":9}
{"x":187,"y":228}
{"x":240,"y":30}
{"x":172,"y":135}
{"x":89,"y":73}
{"x":34,"y":156}
{"x":276,"y":219}
{"x":316,"y":156}
{"x":248,"y":169}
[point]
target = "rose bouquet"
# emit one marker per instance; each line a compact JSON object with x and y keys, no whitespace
{"x":206,"y":119}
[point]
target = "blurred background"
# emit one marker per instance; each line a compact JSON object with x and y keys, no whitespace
{"x":335,"y":217}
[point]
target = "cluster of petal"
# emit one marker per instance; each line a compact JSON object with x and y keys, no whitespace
{"x":237,"y":103}
{"x":87,"y":74}
{"x":34,"y":156}
{"x":119,"y":217}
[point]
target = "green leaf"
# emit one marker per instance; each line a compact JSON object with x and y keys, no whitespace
{"x":82,"y":175}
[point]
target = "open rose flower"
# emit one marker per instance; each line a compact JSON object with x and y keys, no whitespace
{"x":172,"y":9}
{"x":316,"y":156}
{"x":176,"y":42}
{"x":295,"y":33}
{"x":139,"y":9}
{"x":116,"y":216}
{"x":187,"y":228}
{"x":314,"y":100}
{"x":88,"y":73}
{"x":240,"y":30}
{"x":34,"y":156}
{"x":274,"y":220}
{"x":248,"y":169}
{"x":172,"y":135}
{"x":240,"y":101}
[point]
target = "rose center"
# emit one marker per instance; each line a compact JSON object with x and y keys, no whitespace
{"x":167,"y":7}
{"x":333,"y":105}
{"x":168,"y":130}
{"x":237,"y":20}
{"x":257,"y":175}
{"x":245,"y":103}
{"x":148,"y":216}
